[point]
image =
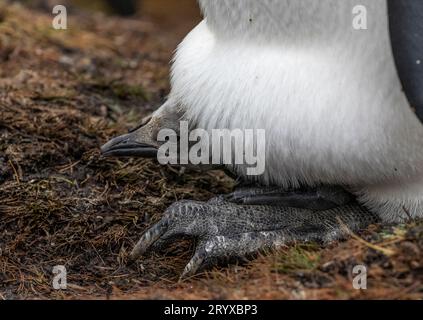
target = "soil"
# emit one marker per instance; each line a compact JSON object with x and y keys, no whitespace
{"x":63,"y":93}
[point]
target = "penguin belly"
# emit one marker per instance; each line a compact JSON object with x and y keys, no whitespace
{"x":332,"y":113}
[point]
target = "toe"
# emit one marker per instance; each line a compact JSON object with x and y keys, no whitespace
{"x":149,"y":238}
{"x":193,"y":265}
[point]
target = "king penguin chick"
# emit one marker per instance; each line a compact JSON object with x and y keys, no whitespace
{"x":331,"y":101}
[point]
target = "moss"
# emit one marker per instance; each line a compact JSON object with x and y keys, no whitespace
{"x":125,"y":91}
{"x":121,"y":91}
{"x":304,"y":257}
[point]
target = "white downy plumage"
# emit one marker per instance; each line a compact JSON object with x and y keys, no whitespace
{"x":327,"y":95}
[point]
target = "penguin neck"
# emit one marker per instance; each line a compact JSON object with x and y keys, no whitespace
{"x":288,"y":21}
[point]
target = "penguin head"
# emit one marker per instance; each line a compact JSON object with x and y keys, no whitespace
{"x":139,"y":142}
{"x":143,"y":140}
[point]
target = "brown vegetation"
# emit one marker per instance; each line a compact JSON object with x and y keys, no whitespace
{"x":63,"y":94}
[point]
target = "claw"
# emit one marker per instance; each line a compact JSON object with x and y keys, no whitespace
{"x":148,"y":238}
{"x":194,"y":264}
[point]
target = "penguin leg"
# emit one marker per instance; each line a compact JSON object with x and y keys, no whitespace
{"x":225,"y":230}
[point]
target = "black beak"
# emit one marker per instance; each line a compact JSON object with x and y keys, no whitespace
{"x":126,"y":146}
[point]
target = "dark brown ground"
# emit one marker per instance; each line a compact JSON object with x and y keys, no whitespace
{"x":62,"y":95}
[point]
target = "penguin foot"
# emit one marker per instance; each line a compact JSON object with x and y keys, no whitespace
{"x":226,"y":230}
